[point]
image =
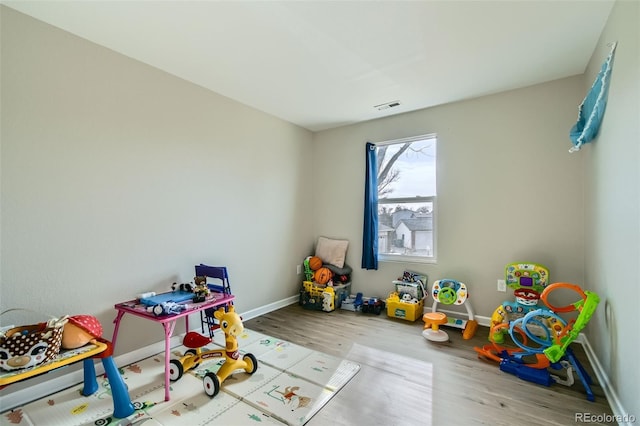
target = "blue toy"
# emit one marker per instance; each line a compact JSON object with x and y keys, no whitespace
{"x":551,"y":335}
{"x":352,"y":303}
{"x":373,"y":305}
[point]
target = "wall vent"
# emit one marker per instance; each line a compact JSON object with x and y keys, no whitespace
{"x":387,"y":105}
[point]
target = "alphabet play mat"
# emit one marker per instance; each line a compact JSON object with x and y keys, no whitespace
{"x":291,"y":384}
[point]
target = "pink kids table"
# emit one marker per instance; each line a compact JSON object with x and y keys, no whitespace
{"x":168,"y":322}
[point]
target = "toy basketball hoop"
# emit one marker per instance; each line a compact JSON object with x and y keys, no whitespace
{"x":527,"y":296}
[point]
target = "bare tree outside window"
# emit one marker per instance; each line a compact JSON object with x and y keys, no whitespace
{"x":406,"y":198}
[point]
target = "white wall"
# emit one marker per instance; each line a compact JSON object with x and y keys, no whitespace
{"x":508,"y":190}
{"x":612,"y":206}
{"x":118,"y":178}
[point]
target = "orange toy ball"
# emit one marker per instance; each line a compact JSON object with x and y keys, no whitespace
{"x":315,"y":263}
{"x":323,"y":275}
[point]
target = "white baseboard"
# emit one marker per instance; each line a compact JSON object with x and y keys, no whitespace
{"x":269,"y":308}
{"x":40,"y":390}
{"x":621,"y":415}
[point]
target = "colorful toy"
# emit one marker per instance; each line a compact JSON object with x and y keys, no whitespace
{"x":231,"y":325}
{"x":527,"y":275}
{"x":201,"y":290}
{"x":551,"y":335}
{"x":176,"y":296}
{"x":31,"y":345}
{"x":317,"y":298}
{"x":372,"y":305}
{"x":432,"y":323}
{"x":328,"y":297}
{"x":407,"y":301}
{"x":413,"y":283}
{"x":452,"y":292}
{"x":308,"y":272}
{"x":166,"y":308}
{"x":31,"y":350}
{"x":528,"y":280}
{"x":404,"y":306}
{"x":352,"y":303}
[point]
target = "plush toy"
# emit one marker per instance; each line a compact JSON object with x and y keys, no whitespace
{"x":201,"y":290}
{"x":80,"y":330}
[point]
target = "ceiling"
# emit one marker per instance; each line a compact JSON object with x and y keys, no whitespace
{"x":324,"y":64}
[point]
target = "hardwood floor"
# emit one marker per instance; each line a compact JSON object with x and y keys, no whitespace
{"x":464,"y":389}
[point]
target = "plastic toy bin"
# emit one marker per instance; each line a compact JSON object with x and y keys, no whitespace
{"x":341,"y":293}
{"x":403,"y":310}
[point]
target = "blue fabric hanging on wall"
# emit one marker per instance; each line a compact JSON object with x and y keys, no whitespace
{"x":592,"y":108}
{"x":370,"y":231}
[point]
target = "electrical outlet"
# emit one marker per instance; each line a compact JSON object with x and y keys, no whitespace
{"x":502,"y":285}
{"x":298,"y":269}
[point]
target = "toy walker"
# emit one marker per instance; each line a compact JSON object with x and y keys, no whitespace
{"x":231,"y":325}
{"x":448,"y":292}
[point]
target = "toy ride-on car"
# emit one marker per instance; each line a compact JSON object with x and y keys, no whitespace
{"x":373,"y":306}
{"x":192,"y":356}
{"x":231,"y":325}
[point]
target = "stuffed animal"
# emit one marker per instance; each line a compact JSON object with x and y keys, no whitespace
{"x":201,"y":290}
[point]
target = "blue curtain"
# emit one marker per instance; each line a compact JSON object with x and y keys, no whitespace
{"x":370,"y":232}
{"x":592,"y":108}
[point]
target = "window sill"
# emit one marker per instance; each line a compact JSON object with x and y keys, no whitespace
{"x":406,"y":259}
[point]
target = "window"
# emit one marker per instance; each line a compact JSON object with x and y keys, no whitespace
{"x":407,"y":199}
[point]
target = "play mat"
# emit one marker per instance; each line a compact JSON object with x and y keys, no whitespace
{"x":291,"y":384}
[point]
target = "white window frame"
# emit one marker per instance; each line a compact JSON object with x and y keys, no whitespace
{"x":404,"y":258}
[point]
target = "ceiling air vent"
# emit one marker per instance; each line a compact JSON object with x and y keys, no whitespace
{"x":387,"y":105}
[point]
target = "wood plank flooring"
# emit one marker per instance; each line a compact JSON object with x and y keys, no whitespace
{"x":464,"y":390}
